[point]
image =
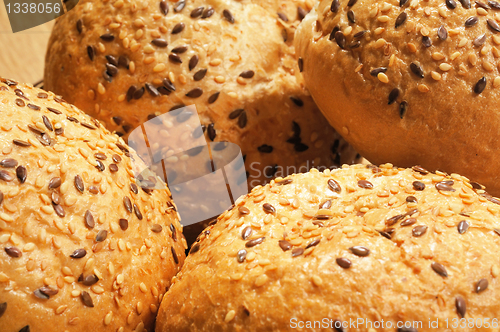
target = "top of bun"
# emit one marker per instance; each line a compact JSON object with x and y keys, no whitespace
{"x":361,"y":242}
{"x":408,"y":45}
{"x":83,"y":247}
{"x":409,"y":82}
{"x":126,"y":62}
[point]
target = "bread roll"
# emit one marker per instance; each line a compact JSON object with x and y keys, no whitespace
{"x":83,"y":247}
{"x":409,"y":82}
{"x":125,"y":62}
{"x":382,"y":244}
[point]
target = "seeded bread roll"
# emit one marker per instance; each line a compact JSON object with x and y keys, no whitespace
{"x":126,"y":62}
{"x":362,"y":242}
{"x":83,"y":247}
{"x":409,"y":82}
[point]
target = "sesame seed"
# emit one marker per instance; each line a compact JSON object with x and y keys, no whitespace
{"x":376,"y":71}
{"x":137,"y":212}
{"x":268,"y":208}
{"x":89,"y":219}
{"x":439,"y":269}
{"x":123,"y":224}
{"x":179,"y":49}
{"x":178,"y":28}
{"x":90,"y":52}
{"x":423,"y":88}
{"x":494,"y":5}
{"x":107,"y":37}
{"x":393,"y":220}
{"x":261,"y":280}
{"x":285,"y":245}
{"x":481,"y":286}
{"x":3,"y":308}
{"x":426,"y":41}
{"x":283,"y":16}
{"x":463,"y":226}
{"x":442,"y":33}
{"x":326,"y":204}
{"x":400,"y":20}
{"x":300,"y":63}
{"x":403,"y":107}
{"x":493,"y":25}
{"x":460,"y":306}
{"x":360,"y":251}
{"x":78,"y":253}
{"x":208,"y":12}
{"x":55,"y":183}
{"x":160,"y":42}
{"x":247,"y":74}
{"x":317,"y":281}
{"x":265,"y":148}
{"x":211,"y":131}
{"x":86,"y":299}
{"x":254,"y":242}
{"x":419,"y":230}
{"x":21,"y":143}
{"x":301,"y":13}
{"x":380,"y":43}
{"x":411,"y":199}
{"x":340,"y":39}
{"x":241,"y":255}
{"x":313,"y":243}
{"x":59,"y":210}
{"x":246,"y":232}
{"x":101,"y":236}
{"x":164,"y":7}
{"x":200,"y":74}
{"x":343,"y":263}
{"x":335,"y":6}
{"x":383,"y":78}
{"x":6,"y":176}
{"x":451,"y":4}
{"x":480,"y":85}
{"x":228,"y":16}
{"x":417,"y":70}
{"x":88,"y":280}
{"x":393,"y":95}
{"x":408,"y":222}
{"x":8,"y":163}
{"x":365,"y":184}
{"x":351,"y":17}
{"x":195,"y":13}
{"x":471,"y":21}
{"x":297,"y":252}
{"x":174,"y":255}
{"x":480,"y":40}
{"x":13,"y":252}
{"x":193,"y":62}
{"x":79,"y":183}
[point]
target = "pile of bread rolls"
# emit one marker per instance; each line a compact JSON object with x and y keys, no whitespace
{"x":409,"y":245}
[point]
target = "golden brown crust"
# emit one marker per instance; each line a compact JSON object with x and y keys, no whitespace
{"x":247,"y":62}
{"x":50,"y":153}
{"x":448,"y":123}
{"x":431,"y":239}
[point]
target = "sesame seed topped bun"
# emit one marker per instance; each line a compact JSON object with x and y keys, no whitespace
{"x":82,"y":246}
{"x":409,"y":82}
{"x":362,"y":242}
{"x":126,"y":62}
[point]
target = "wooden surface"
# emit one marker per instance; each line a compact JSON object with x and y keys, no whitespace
{"x":22,"y":54}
